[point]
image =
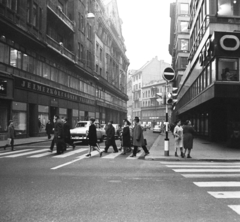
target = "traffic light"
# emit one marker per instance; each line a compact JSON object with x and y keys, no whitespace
{"x":169,"y":98}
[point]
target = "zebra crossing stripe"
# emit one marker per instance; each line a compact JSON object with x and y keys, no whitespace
{"x":137,"y":156}
{"x":70,"y":153}
{"x":26,"y":153}
{"x":112,"y":155}
{"x":225,"y":194}
{"x":210,"y":175}
{"x":208,"y":166}
{"x":236,"y":208}
{"x":199,"y":163}
{"x":13,"y":152}
{"x":218,"y":184}
{"x":205,"y":170}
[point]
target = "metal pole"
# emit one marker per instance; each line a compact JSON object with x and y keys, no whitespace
{"x":166,"y":141}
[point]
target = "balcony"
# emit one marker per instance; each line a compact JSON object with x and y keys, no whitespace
{"x":60,"y":49}
{"x":57,"y":11}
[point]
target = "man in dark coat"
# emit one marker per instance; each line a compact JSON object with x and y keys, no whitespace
{"x":49,"y":129}
{"x":10,"y":135}
{"x":110,"y":131}
{"x":67,"y":134}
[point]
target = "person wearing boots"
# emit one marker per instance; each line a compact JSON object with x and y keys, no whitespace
{"x":110,"y":131}
{"x":92,"y":138}
{"x":138,"y":139}
{"x":178,"y":136}
{"x":126,"y":141}
{"x":10,"y":135}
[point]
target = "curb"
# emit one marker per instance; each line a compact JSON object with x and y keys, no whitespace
{"x":26,"y":143}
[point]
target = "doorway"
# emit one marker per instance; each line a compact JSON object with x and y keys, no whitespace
{"x":52,"y":112}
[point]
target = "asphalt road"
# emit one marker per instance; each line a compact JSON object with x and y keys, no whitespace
{"x":112,"y":188}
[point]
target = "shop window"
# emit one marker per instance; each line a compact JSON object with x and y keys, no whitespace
{"x":183,"y":26}
{"x":228,"y":69}
{"x":19,"y":117}
{"x":184,"y":9}
{"x":228,"y":7}
{"x":4,"y":53}
{"x":15,"y":58}
{"x":43,"y":117}
{"x":3,"y":117}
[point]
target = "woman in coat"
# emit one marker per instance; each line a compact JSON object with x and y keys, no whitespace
{"x":92,"y":138}
{"x":138,"y":139}
{"x":126,"y":142}
{"x":188,"y":133}
{"x":178,"y":136}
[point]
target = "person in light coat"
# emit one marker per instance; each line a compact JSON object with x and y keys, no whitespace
{"x":138,"y":139}
{"x":10,"y":135}
{"x":178,"y":136}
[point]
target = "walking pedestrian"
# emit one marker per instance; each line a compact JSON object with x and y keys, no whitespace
{"x":10,"y":135}
{"x":67,"y":135}
{"x":138,"y":139}
{"x":110,"y":132}
{"x":49,"y":129}
{"x":126,"y":138}
{"x":92,"y":138}
{"x":188,"y":135}
{"x":178,"y":136}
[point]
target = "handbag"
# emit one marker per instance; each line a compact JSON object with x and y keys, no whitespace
{"x":9,"y":141}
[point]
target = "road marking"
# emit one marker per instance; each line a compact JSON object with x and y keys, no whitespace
{"x":26,"y":153}
{"x":225,"y":194}
{"x":70,"y":153}
{"x":209,"y":175}
{"x":41,"y":155}
{"x":208,"y":166}
{"x":236,"y":208}
{"x":218,"y":184}
{"x":205,"y":170}
{"x":112,"y":155}
{"x":12,"y":152}
{"x":137,"y":156}
{"x":94,"y":153}
{"x":199,"y":163}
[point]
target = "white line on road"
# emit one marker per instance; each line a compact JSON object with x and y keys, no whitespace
{"x":112,"y":155}
{"x":94,"y":153}
{"x":218,"y":184}
{"x":236,"y":208}
{"x":225,"y":194}
{"x":205,"y":170}
{"x":26,"y":153}
{"x":210,"y":175}
{"x":70,"y":153}
{"x":208,"y":166}
{"x":13,"y":152}
{"x":199,"y":163}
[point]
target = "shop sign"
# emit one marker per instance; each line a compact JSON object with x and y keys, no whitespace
{"x":39,"y":88}
{"x":3,"y":87}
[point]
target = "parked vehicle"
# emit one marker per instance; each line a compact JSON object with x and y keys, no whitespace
{"x":80,"y":132}
{"x":157,"y":129}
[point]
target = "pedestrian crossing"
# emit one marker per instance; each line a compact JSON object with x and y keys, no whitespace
{"x":222,"y":178}
{"x":43,"y":151}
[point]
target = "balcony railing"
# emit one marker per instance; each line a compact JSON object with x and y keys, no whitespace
{"x":60,"y":14}
{"x":60,"y":48}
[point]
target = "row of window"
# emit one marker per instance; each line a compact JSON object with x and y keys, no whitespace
{"x":149,"y":103}
{"x":136,"y":77}
{"x":20,"y":60}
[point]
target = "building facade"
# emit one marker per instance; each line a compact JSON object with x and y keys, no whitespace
{"x":47,"y":65}
{"x":209,"y":90}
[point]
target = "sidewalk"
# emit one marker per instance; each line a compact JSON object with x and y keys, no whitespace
{"x":202,"y":151}
{"x":24,"y":141}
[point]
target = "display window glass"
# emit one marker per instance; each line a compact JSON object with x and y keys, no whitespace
{"x":228,"y":69}
{"x":3,"y":117}
{"x":4,"y":53}
{"x":43,"y":117}
{"x":19,"y":117}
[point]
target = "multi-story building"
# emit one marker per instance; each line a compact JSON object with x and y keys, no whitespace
{"x":209,"y":90}
{"x":153,"y":107}
{"x":130,"y":96}
{"x":47,"y":64}
{"x":152,"y":70}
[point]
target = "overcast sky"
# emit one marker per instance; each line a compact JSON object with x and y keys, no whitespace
{"x":146,"y":29}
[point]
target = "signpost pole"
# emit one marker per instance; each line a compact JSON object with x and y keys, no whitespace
{"x":166,"y":141}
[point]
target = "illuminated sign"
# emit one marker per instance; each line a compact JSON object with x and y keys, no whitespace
{"x":3,"y":87}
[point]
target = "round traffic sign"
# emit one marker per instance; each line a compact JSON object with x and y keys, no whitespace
{"x":169,"y":74}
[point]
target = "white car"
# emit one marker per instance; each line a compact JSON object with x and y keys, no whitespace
{"x":157,"y":129}
{"x":80,"y":132}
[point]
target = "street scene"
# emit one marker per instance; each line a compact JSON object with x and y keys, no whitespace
{"x":119,"y":111}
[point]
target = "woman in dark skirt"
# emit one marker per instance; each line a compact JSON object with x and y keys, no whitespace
{"x":188,"y":133}
{"x":126,"y":141}
{"x":92,"y":138}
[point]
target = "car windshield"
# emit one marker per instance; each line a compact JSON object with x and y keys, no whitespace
{"x":82,"y":124}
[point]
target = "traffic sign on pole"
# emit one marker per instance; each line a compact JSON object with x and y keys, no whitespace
{"x":168,"y":74}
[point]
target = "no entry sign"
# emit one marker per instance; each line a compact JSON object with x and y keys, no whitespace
{"x":169,"y":74}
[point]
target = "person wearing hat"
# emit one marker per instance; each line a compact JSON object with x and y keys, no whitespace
{"x":92,"y":138}
{"x":138,"y":139}
{"x":126,"y":142}
{"x":10,"y":135}
{"x":110,"y":131}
